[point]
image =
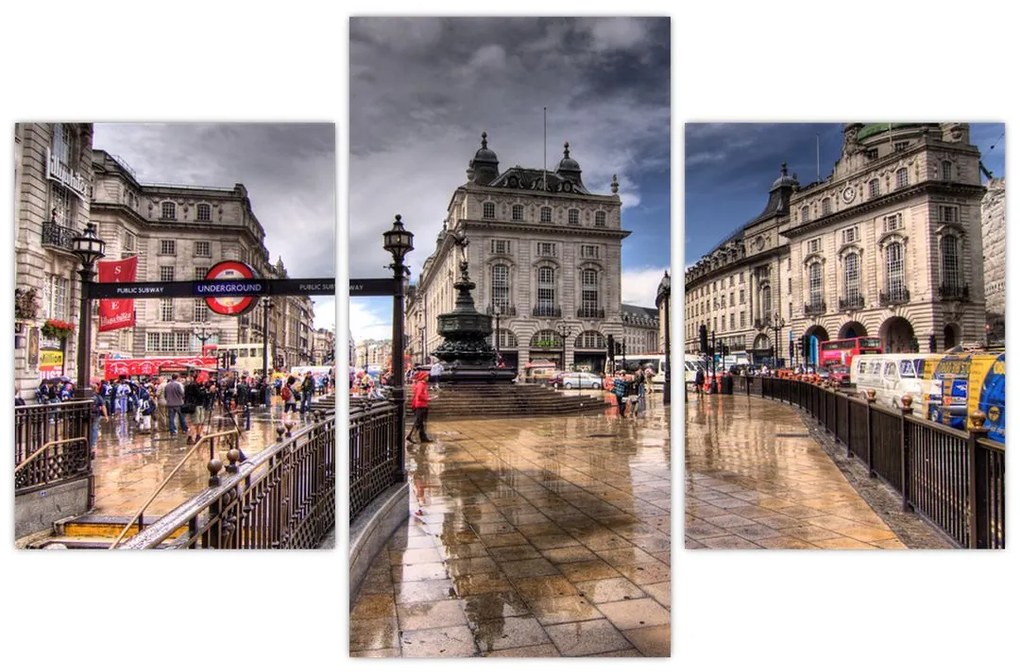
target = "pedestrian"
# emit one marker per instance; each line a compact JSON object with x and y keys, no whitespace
{"x":145,"y":409}
{"x":121,"y":394}
{"x":288,"y":393}
{"x":192,"y":399}
{"x":434,"y":374}
{"x":420,"y":405}
{"x":173,"y":393}
{"x":620,"y":391}
{"x":18,"y":401}
{"x":160,"y":415}
{"x":307,"y":389}
{"x":98,"y":414}
{"x":699,"y":381}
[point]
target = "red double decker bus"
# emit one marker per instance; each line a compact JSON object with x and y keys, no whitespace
{"x":843,"y":350}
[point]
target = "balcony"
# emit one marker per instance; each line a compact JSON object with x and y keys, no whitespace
{"x":814,"y":308}
{"x":504,"y":311}
{"x":760,"y":324}
{"x":852,"y":303}
{"x":895,"y":296}
{"x":952,"y":291}
{"x":57,"y":237}
{"x":546,"y":311}
{"x":590,"y":313}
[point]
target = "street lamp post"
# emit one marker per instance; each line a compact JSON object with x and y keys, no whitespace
{"x":266,"y":305}
{"x":777,"y":325}
{"x":664,"y":294}
{"x":203,"y":337}
{"x":398,"y":242}
{"x":563,"y":330}
{"x":89,"y":248}
{"x":495,"y":339}
{"x":713,"y":387}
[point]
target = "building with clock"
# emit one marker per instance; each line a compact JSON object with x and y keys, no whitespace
{"x":889,"y":246}
{"x":544,"y":251}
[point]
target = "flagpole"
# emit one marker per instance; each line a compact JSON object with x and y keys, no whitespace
{"x":545,"y":142}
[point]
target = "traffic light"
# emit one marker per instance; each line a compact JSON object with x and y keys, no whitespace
{"x":233,"y":358}
{"x":610,"y":345}
{"x":703,"y":337}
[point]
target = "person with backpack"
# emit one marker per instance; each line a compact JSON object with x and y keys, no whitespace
{"x":307,"y":390}
{"x":289,"y":395}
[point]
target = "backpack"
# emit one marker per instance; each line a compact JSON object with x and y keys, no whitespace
{"x":285,"y":393}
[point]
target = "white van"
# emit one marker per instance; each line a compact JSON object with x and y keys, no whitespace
{"x":891,"y":376}
{"x":691,"y":367}
{"x":656,"y":361}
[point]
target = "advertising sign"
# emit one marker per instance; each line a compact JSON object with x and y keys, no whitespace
{"x":117,"y":313}
{"x":230,"y":305}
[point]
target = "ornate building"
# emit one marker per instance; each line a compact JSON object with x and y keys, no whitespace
{"x":993,"y":233}
{"x":53,"y":186}
{"x":890,"y":245}
{"x":545,"y":254}
{"x":640,"y":328}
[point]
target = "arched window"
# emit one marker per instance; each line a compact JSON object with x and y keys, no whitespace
{"x":573,"y":216}
{"x":546,"y":290}
{"x":203,"y":212}
{"x":873,"y":189}
{"x":947,"y":170}
{"x":489,"y":210}
{"x":894,"y":271}
{"x":518,"y":213}
{"x":546,"y":214}
{"x":501,"y":286}
{"x":950,"y":265}
{"x":901,"y":178}
{"x":600,"y":218}
{"x":590,"y":340}
{"x":547,"y":338}
{"x":765,"y":301}
{"x":815,"y":289}
{"x":826,"y":206}
{"x":852,"y":279}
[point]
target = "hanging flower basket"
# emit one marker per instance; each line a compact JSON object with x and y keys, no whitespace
{"x":26,"y":306}
{"x":57,"y":329}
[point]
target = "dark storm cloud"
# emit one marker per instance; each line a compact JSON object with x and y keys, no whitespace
{"x":423,"y":90}
{"x":289,"y":171}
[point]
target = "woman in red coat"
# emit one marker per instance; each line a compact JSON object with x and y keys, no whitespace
{"x":420,"y":404}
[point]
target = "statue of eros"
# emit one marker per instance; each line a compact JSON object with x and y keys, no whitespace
{"x":460,"y":239}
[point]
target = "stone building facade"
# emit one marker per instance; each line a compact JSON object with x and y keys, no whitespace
{"x":993,"y":232}
{"x":640,"y":329}
{"x":890,"y":245}
{"x":544,"y":252}
{"x":53,"y":187}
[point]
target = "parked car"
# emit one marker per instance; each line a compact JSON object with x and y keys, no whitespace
{"x":839,"y":373}
{"x":576,"y":380}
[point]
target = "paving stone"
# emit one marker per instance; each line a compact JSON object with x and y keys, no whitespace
{"x":587,"y":638}
{"x":443,"y":642}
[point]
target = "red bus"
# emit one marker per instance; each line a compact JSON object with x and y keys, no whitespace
{"x":843,"y":350}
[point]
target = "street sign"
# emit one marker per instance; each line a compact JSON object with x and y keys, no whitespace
{"x":373,"y":287}
{"x":213,"y":288}
{"x":230,"y":303}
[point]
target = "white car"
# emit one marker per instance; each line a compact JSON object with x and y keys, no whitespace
{"x":579,"y":381}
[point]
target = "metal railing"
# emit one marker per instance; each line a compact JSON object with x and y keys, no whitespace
{"x":852,"y":302}
{"x":53,"y":462}
{"x":591,"y":313}
{"x":894,"y":296}
{"x":546,"y":311}
{"x":952,"y":291}
{"x":281,"y":498}
{"x":954,"y":479}
{"x":41,"y":424}
{"x":58,"y":237}
{"x":815,"y":308}
{"x":374,"y":452}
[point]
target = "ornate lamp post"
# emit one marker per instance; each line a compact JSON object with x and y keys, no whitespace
{"x":266,"y":305}
{"x":89,"y":248}
{"x":398,"y":243}
{"x":777,"y":325}
{"x":202,"y":336}
{"x":563,"y":330}
{"x":663,"y":299}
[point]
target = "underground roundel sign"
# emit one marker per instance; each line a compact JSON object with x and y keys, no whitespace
{"x":230,"y":305}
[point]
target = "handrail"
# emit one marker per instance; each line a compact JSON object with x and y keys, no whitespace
{"x":166,"y":480}
{"x":48,"y":444}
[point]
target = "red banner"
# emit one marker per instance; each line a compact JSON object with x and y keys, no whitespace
{"x":117,"y":313}
{"x":153,"y":366}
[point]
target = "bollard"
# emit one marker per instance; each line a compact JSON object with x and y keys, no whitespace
{"x":906,"y":409}
{"x":977,"y":465}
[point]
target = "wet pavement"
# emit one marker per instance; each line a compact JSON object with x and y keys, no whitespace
{"x":130,"y":465}
{"x":755,"y":477}
{"x":528,"y":537}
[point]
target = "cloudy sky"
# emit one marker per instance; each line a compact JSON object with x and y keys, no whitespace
{"x":423,"y":90}
{"x":288,"y":169}
{"x":729,"y":168}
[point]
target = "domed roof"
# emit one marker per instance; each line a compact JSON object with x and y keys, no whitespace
{"x":869,"y":130}
{"x":784,"y":180}
{"x":568,"y":164}
{"x":484,"y":154}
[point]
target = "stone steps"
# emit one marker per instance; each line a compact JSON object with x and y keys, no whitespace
{"x":509,"y":400}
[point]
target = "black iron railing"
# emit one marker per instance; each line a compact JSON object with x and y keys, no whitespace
{"x":374,"y":452}
{"x":546,"y":311}
{"x":504,"y":311}
{"x":56,"y":236}
{"x":815,"y":308}
{"x":894,"y":296}
{"x":954,"y":292}
{"x":952,"y":478}
{"x":592,"y":313}
{"x":281,"y":498}
{"x":37,"y":425}
{"x":852,"y":303}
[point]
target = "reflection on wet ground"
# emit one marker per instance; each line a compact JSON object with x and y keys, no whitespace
{"x":528,"y":537}
{"x":755,"y":478}
{"x":130,"y":465}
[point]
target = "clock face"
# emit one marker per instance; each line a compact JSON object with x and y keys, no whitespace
{"x":848,"y":194}
{"x":760,"y":242}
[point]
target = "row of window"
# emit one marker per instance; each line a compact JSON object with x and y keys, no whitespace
{"x":902,"y":179}
{"x":545,"y":214}
{"x":202,"y":248}
{"x":542,"y":249}
{"x":203,"y":211}
{"x":171,"y":341}
{"x":167,"y":313}
{"x":546,"y":285}
{"x":946,"y":214}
